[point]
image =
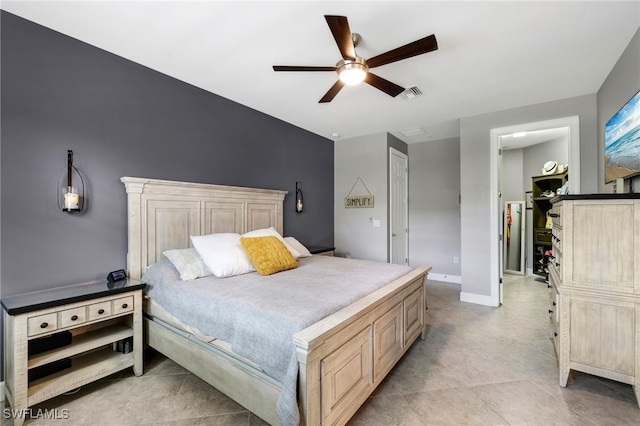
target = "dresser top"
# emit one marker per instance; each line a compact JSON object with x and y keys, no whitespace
{"x":28,"y":302}
{"x":596,"y":197}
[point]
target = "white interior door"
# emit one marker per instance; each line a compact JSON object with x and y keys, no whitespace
{"x":399,"y":207}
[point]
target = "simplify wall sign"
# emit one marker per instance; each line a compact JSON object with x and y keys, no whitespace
{"x":358,"y":201}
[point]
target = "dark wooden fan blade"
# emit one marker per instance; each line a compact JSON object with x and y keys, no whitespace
{"x":328,"y":97}
{"x":301,"y":68}
{"x":418,"y":47}
{"x":339,"y":27}
{"x":386,"y":86}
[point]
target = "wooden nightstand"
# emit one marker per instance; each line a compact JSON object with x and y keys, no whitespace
{"x":59,"y":339}
{"x":323,"y":251}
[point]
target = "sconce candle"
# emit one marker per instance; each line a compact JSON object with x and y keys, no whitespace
{"x":71,"y":199}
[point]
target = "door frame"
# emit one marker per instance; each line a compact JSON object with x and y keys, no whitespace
{"x":573,"y":125}
{"x":405,"y":158}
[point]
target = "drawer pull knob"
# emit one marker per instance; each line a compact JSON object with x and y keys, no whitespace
{"x":74,"y":318}
{"x":557,"y":264}
{"x":555,"y":334}
{"x":44,"y":325}
{"x":554,"y":214}
{"x":554,"y":303}
{"x":124,"y":306}
{"x":550,"y":311}
{"x":101,"y":311}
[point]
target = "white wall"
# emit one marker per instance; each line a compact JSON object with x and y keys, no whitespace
{"x":364,"y":157}
{"x":434,"y":209}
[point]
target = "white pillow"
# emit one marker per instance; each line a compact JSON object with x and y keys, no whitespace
{"x":266,"y":232}
{"x":223,"y":254}
{"x":188,"y":263}
{"x":297,"y":245}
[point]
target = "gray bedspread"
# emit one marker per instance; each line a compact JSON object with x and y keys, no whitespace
{"x":259,"y":314}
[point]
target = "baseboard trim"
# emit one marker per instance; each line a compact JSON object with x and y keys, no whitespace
{"x":456,"y":279}
{"x":478,"y":299}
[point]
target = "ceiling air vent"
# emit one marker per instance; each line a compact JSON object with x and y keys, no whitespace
{"x":412,"y":132}
{"x":411,"y":92}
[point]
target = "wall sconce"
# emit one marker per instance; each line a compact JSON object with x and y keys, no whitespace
{"x":299,"y":199}
{"x":71,"y":195}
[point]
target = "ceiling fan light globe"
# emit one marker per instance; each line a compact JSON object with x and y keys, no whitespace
{"x":352,"y":71}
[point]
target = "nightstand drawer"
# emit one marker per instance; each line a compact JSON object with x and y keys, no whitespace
{"x":99,"y":310}
{"x":71,"y":317}
{"x":123,"y":305}
{"x":42,"y":324}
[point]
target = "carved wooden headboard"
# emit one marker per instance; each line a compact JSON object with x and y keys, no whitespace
{"x":163,"y":214}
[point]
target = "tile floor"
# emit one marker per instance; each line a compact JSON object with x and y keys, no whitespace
{"x":477,"y":366}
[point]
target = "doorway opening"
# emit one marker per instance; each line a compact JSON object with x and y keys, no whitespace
{"x":499,"y":136}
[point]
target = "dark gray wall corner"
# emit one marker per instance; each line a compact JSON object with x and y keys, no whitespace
{"x":395,"y":143}
{"x":123,"y":119}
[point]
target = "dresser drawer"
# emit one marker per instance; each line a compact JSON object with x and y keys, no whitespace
{"x":123,"y":305}
{"x":72,"y":317}
{"x":556,"y":215}
{"x":42,"y":324}
{"x":99,"y":310}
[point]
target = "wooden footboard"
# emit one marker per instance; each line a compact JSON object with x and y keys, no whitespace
{"x":344,"y":357}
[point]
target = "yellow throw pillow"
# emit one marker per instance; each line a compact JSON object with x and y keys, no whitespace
{"x":268,"y":254}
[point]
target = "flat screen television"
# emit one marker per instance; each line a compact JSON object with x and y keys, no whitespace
{"x":622,"y":142}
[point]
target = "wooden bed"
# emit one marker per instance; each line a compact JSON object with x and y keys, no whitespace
{"x":341,"y":358}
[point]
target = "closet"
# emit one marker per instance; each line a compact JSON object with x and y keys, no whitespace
{"x":543,"y":188}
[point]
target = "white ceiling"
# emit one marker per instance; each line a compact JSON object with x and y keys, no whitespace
{"x":492,"y":55}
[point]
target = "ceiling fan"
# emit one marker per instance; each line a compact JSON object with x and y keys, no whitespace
{"x":353,"y":69}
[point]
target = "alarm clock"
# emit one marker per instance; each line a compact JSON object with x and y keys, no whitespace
{"x":120,"y":274}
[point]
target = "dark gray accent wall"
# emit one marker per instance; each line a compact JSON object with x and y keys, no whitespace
{"x":395,"y":143}
{"x":123,"y":119}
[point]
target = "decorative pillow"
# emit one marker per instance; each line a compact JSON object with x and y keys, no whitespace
{"x":268,"y":254}
{"x":297,"y":246}
{"x":272,"y":232}
{"x":188,"y":263}
{"x":223,"y":254}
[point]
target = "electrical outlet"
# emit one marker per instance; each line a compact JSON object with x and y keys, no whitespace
{"x":455,"y":259}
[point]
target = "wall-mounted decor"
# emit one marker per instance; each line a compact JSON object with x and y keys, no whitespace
{"x":528,"y":198}
{"x":299,"y":198}
{"x":71,"y":189}
{"x":359,"y":201}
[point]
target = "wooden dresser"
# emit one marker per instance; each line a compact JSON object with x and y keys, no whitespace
{"x":594,"y":286}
